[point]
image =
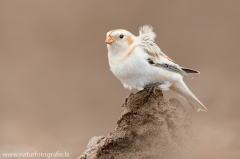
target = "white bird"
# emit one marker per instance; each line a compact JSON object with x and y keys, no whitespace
{"x":138,"y":63}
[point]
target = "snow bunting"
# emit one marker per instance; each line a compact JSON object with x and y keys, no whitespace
{"x":138,"y":63}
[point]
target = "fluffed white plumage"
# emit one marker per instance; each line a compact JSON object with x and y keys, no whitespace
{"x":138,"y":61}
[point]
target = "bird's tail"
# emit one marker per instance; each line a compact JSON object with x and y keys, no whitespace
{"x":181,"y":88}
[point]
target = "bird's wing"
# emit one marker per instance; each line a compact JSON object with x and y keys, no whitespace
{"x":154,"y":51}
{"x":147,"y":37}
{"x":159,"y":59}
{"x":155,"y":56}
{"x":170,"y":66}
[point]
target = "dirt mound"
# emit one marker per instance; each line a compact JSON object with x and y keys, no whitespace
{"x":148,"y":128}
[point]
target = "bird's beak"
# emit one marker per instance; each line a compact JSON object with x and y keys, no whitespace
{"x":109,"y":40}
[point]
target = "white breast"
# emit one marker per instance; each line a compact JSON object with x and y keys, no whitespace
{"x":136,"y":72}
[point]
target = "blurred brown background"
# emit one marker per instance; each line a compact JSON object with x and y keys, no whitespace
{"x":56,"y":88}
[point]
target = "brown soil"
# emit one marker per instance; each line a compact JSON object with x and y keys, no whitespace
{"x":148,"y":128}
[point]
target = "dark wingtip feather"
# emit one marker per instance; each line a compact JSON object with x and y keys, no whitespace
{"x":187,"y":70}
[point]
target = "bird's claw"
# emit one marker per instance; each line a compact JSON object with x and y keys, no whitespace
{"x":152,"y":87}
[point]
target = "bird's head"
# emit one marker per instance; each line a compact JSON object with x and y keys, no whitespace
{"x":119,"y":40}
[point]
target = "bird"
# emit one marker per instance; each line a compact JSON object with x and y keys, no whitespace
{"x":139,"y":63}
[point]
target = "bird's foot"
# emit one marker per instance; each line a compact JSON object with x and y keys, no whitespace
{"x":152,"y":87}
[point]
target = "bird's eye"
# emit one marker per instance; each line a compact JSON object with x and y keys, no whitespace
{"x":121,"y":36}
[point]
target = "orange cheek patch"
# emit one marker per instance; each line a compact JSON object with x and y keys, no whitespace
{"x":129,"y":41}
{"x":128,"y":55}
